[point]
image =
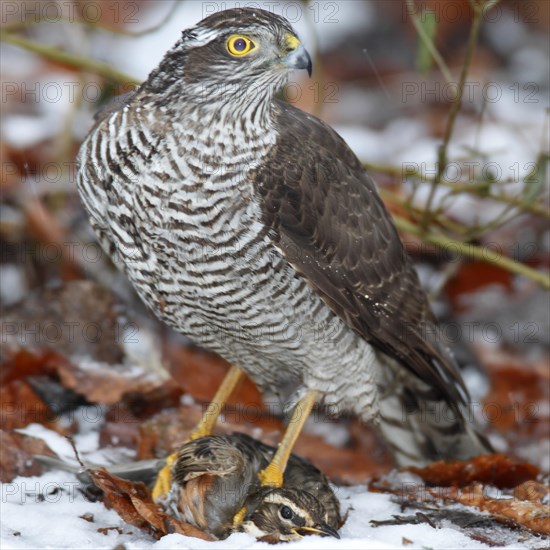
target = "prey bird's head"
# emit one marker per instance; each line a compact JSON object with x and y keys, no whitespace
{"x":284,"y":514}
{"x":247,"y":52}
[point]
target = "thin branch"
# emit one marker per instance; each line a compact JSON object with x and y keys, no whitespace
{"x":389,"y":197}
{"x":455,"y":108}
{"x":32,"y":21}
{"x":478,"y":189}
{"x":76,"y":61}
{"x":428,"y":42}
{"x":469,"y":250}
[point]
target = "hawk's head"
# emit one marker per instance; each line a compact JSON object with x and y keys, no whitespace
{"x":236,"y":51}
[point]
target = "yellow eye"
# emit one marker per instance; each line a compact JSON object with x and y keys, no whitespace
{"x":238,"y":45}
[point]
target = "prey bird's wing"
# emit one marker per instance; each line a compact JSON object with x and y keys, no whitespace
{"x":217,"y":455}
{"x":329,"y":222}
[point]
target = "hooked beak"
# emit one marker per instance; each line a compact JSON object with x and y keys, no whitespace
{"x":298,"y":58}
{"x":321,"y":529}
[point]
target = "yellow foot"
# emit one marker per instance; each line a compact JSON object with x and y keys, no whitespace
{"x":271,"y":476}
{"x":164,"y":479}
{"x":238,"y":518}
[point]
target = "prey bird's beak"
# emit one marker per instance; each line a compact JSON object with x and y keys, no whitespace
{"x":321,"y":529}
{"x":298,"y":58}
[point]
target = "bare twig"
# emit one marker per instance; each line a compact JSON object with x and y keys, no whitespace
{"x":469,"y":250}
{"x":455,"y":107}
{"x":479,"y":189}
{"x":34,"y":20}
{"x":466,"y":249}
{"x":76,"y":61}
{"x":428,"y":42}
{"x":390,"y":197}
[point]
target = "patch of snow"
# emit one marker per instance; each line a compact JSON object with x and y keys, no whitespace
{"x":23,"y":131}
{"x":55,"y":441}
{"x":142,"y":350}
{"x":187,"y":399}
{"x":13,"y":286}
{"x":476,"y":383}
{"x":364,"y":142}
{"x":129,"y":370}
{"x":44,"y":512}
{"x":530,"y":65}
{"x":333,"y":433}
{"x":17,"y":64}
{"x":507,"y":25}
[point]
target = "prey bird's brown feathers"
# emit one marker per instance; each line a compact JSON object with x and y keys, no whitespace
{"x":217,"y":476}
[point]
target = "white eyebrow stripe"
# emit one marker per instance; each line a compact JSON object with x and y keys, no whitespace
{"x":279,"y":499}
{"x":202,"y":36}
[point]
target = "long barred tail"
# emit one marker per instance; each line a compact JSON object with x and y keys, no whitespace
{"x":419,"y":426}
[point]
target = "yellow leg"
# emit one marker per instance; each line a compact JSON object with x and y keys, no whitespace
{"x":210,"y":415}
{"x":272,"y":475}
{"x":203,"y":428}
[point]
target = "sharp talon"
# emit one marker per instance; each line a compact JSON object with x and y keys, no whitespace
{"x":164,"y":479}
{"x":271,"y":476}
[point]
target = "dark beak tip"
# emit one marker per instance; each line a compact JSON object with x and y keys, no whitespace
{"x":329,"y":531}
{"x":299,"y":59}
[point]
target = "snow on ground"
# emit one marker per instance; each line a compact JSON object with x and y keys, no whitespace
{"x":46,"y":512}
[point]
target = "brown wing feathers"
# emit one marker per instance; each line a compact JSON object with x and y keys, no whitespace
{"x":333,"y":228}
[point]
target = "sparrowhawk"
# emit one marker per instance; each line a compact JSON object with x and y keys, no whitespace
{"x":251,"y":227}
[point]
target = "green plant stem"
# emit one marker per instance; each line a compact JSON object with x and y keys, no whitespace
{"x":394,"y":198}
{"x":76,"y":61}
{"x":428,"y":42}
{"x":455,"y":108}
{"x":474,"y":252}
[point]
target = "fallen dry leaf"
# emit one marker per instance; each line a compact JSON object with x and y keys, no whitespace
{"x":17,"y":455}
{"x":134,"y":505}
{"x":532,"y":515}
{"x":531,"y":490}
{"x":21,"y":406}
{"x":47,"y":230}
{"x":105,"y":384}
{"x":76,"y":318}
{"x":493,"y":469}
{"x":491,"y":483}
